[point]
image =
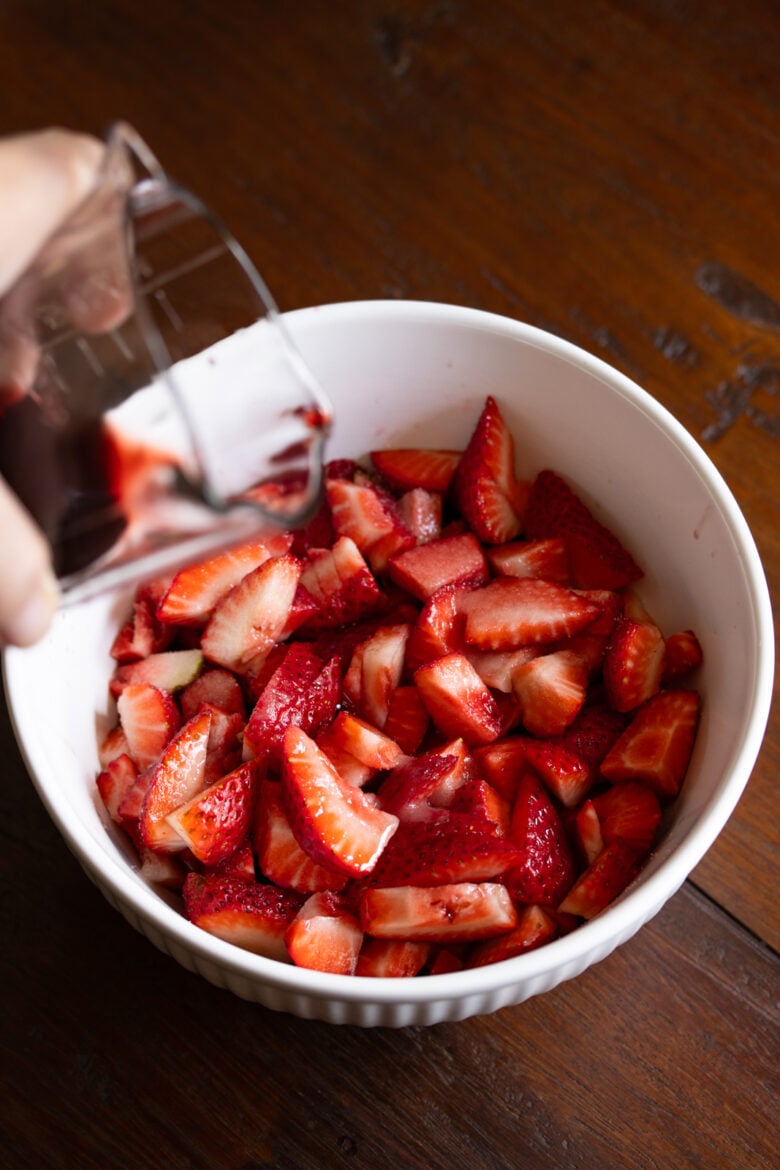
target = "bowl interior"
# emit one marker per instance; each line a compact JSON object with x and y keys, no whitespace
{"x":400,"y":374}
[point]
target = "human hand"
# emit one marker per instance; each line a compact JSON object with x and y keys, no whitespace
{"x":43,"y":178}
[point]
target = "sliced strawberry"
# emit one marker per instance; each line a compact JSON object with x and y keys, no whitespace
{"x":450,"y":560}
{"x":177,"y":777}
{"x":376,"y":671}
{"x":446,"y":960}
{"x":303,"y":609}
{"x":279,"y":856}
{"x":303,"y":691}
{"x":598,"y":560}
{"x":547,"y":869}
{"x":614,"y":868}
{"x":215,"y":822}
{"x":534,"y":928}
{"x":348,"y":766}
{"x":439,"y":628}
{"x":317,"y":533}
{"x":420,"y":513}
{"x":218,"y":687}
{"x":416,"y":467}
{"x":459,"y":703}
{"x":454,"y":847}
{"x":593,"y":733}
{"x":161,"y":869}
{"x":363,"y":741}
{"x":682,"y":655}
{"x":144,"y":633}
{"x":482,"y":802}
{"x":496,"y":668}
{"x":611,"y":609}
{"x":196,"y":590}
{"x":332,"y":820}
{"x":566,"y":775}
{"x":502,"y":764}
{"x":248,"y":620}
{"x":407,"y":719}
{"x":252,"y":916}
{"x":224,"y":751}
{"x":550,"y":690}
{"x":546,"y":559}
{"x":512,"y":612}
{"x":587,"y":831}
{"x":633,"y":664}
{"x":629,"y":812}
{"x":169,"y":671}
{"x":341,"y":583}
{"x":325,"y":935}
{"x":240,"y":863}
{"x":429,"y":781}
{"x":487,"y":492}
{"x":149,"y":718}
{"x":113,"y":744}
{"x":364,"y":515}
{"x":453,"y":913}
{"x":657,"y":744}
{"x":388,"y":958}
{"x":114,"y":782}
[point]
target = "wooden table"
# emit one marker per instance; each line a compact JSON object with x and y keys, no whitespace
{"x":607,"y":170}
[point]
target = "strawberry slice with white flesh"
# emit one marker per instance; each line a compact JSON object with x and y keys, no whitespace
{"x":248,"y":620}
{"x":458,"y":702}
{"x":247,"y":914}
{"x":488,"y":494}
{"x":657,"y":744}
{"x":376,"y":671}
{"x":341,"y":583}
{"x":332,"y":820}
{"x":195,"y":590}
{"x":178,"y":776}
{"x":216,"y":821}
{"x":461,"y":912}
{"x":550,"y":691}
{"x":325,"y":935}
{"x":280,"y":857}
{"x":416,"y":467}
{"x":363,"y":514}
{"x":170,"y":670}
{"x":148,"y":717}
{"x":521,"y":611}
{"x":546,"y":559}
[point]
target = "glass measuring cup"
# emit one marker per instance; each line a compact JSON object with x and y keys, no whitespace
{"x":152,"y":407}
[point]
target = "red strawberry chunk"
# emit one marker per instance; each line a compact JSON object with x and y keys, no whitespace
{"x":376,"y":671}
{"x":365,"y":743}
{"x":657,"y":744}
{"x":149,"y":718}
{"x":592,"y":734}
{"x":303,"y":691}
{"x":279,"y":856}
{"x":219,"y":688}
{"x":223,"y":753}
{"x":534,"y":928}
{"x":113,"y":744}
{"x":453,"y":847}
{"x":348,"y":766}
{"x":682,"y":655}
{"x":439,"y":628}
{"x":482,"y":802}
{"x":547,"y":869}
{"x":388,"y":958}
{"x":550,"y":690}
{"x":114,"y":782}
{"x":407,"y":719}
{"x":633,"y":664}
{"x":414,"y":467}
{"x":341,"y":583}
{"x":629,"y":812}
{"x":451,"y":913}
{"x":598,"y":560}
{"x":512,"y":612}
{"x":420,"y":513}
{"x":252,"y":916}
{"x":496,"y":668}
{"x":325,"y":935}
{"x":170,"y":670}
{"x":488,"y":494}
{"x":216,"y":821}
{"x":196,"y":590}
{"x":240,"y":863}
{"x":161,"y":869}
{"x":614,"y":868}
{"x":177,"y":777}
{"x":587,"y":831}
{"x":429,"y":781}
{"x":565,"y":774}
{"x":144,"y":633}
{"x":450,"y":560}
{"x":332,"y":820}
{"x":457,"y":700}
{"x":248,"y":620}
{"x":547,"y":559}
{"x":363,"y":514}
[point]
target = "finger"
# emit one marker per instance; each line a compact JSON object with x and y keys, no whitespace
{"x":43,"y":178}
{"x":28,"y":589}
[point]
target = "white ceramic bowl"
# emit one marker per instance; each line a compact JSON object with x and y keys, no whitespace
{"x":403,"y":373}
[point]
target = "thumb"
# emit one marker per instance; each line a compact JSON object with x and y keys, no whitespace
{"x":28,"y":589}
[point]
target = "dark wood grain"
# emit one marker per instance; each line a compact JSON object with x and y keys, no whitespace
{"x":609,"y":171}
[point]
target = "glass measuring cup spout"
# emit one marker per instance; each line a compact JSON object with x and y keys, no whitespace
{"x":156,"y":408}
